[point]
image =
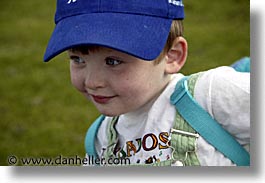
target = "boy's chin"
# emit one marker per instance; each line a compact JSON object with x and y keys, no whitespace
{"x":110,"y":113}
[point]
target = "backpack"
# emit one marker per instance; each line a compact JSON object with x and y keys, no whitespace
{"x":198,"y":119}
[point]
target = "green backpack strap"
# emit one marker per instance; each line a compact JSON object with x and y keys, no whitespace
{"x":206,"y":126}
{"x":91,"y":137}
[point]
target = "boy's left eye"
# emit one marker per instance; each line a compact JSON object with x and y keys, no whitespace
{"x":112,"y":61}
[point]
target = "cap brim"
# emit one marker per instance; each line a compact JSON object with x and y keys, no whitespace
{"x":141,"y":36}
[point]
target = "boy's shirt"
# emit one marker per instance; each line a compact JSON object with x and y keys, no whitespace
{"x":143,"y":134}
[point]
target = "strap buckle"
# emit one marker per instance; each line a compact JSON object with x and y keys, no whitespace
{"x":172,"y":130}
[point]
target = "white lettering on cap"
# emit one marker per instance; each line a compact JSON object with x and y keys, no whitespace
{"x":71,"y":1}
{"x":175,"y":2}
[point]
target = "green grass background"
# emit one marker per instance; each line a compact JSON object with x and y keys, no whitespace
{"x":42,"y":115}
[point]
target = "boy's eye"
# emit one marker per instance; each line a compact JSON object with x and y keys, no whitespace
{"x":112,"y":61}
{"x":77,"y":60}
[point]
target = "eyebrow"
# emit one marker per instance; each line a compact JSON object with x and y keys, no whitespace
{"x":73,"y":57}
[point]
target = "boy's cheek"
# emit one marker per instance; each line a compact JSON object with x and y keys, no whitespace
{"x":77,"y":83}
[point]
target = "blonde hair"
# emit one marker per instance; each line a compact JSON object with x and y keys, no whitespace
{"x":176,"y":31}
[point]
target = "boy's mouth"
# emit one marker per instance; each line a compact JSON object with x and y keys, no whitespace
{"x":102,"y":99}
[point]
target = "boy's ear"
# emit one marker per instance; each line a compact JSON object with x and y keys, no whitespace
{"x":176,"y":56}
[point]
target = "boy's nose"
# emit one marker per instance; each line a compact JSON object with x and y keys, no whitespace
{"x":94,"y":79}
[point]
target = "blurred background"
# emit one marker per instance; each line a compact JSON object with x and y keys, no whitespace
{"x":42,"y":115}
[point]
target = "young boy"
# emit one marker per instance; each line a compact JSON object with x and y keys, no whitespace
{"x":125,"y":58}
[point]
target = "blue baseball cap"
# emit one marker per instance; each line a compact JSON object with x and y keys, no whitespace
{"x":136,"y":27}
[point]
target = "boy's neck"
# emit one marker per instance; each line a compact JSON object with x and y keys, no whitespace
{"x":143,"y":110}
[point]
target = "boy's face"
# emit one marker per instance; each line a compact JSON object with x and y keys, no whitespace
{"x":116,"y":82}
